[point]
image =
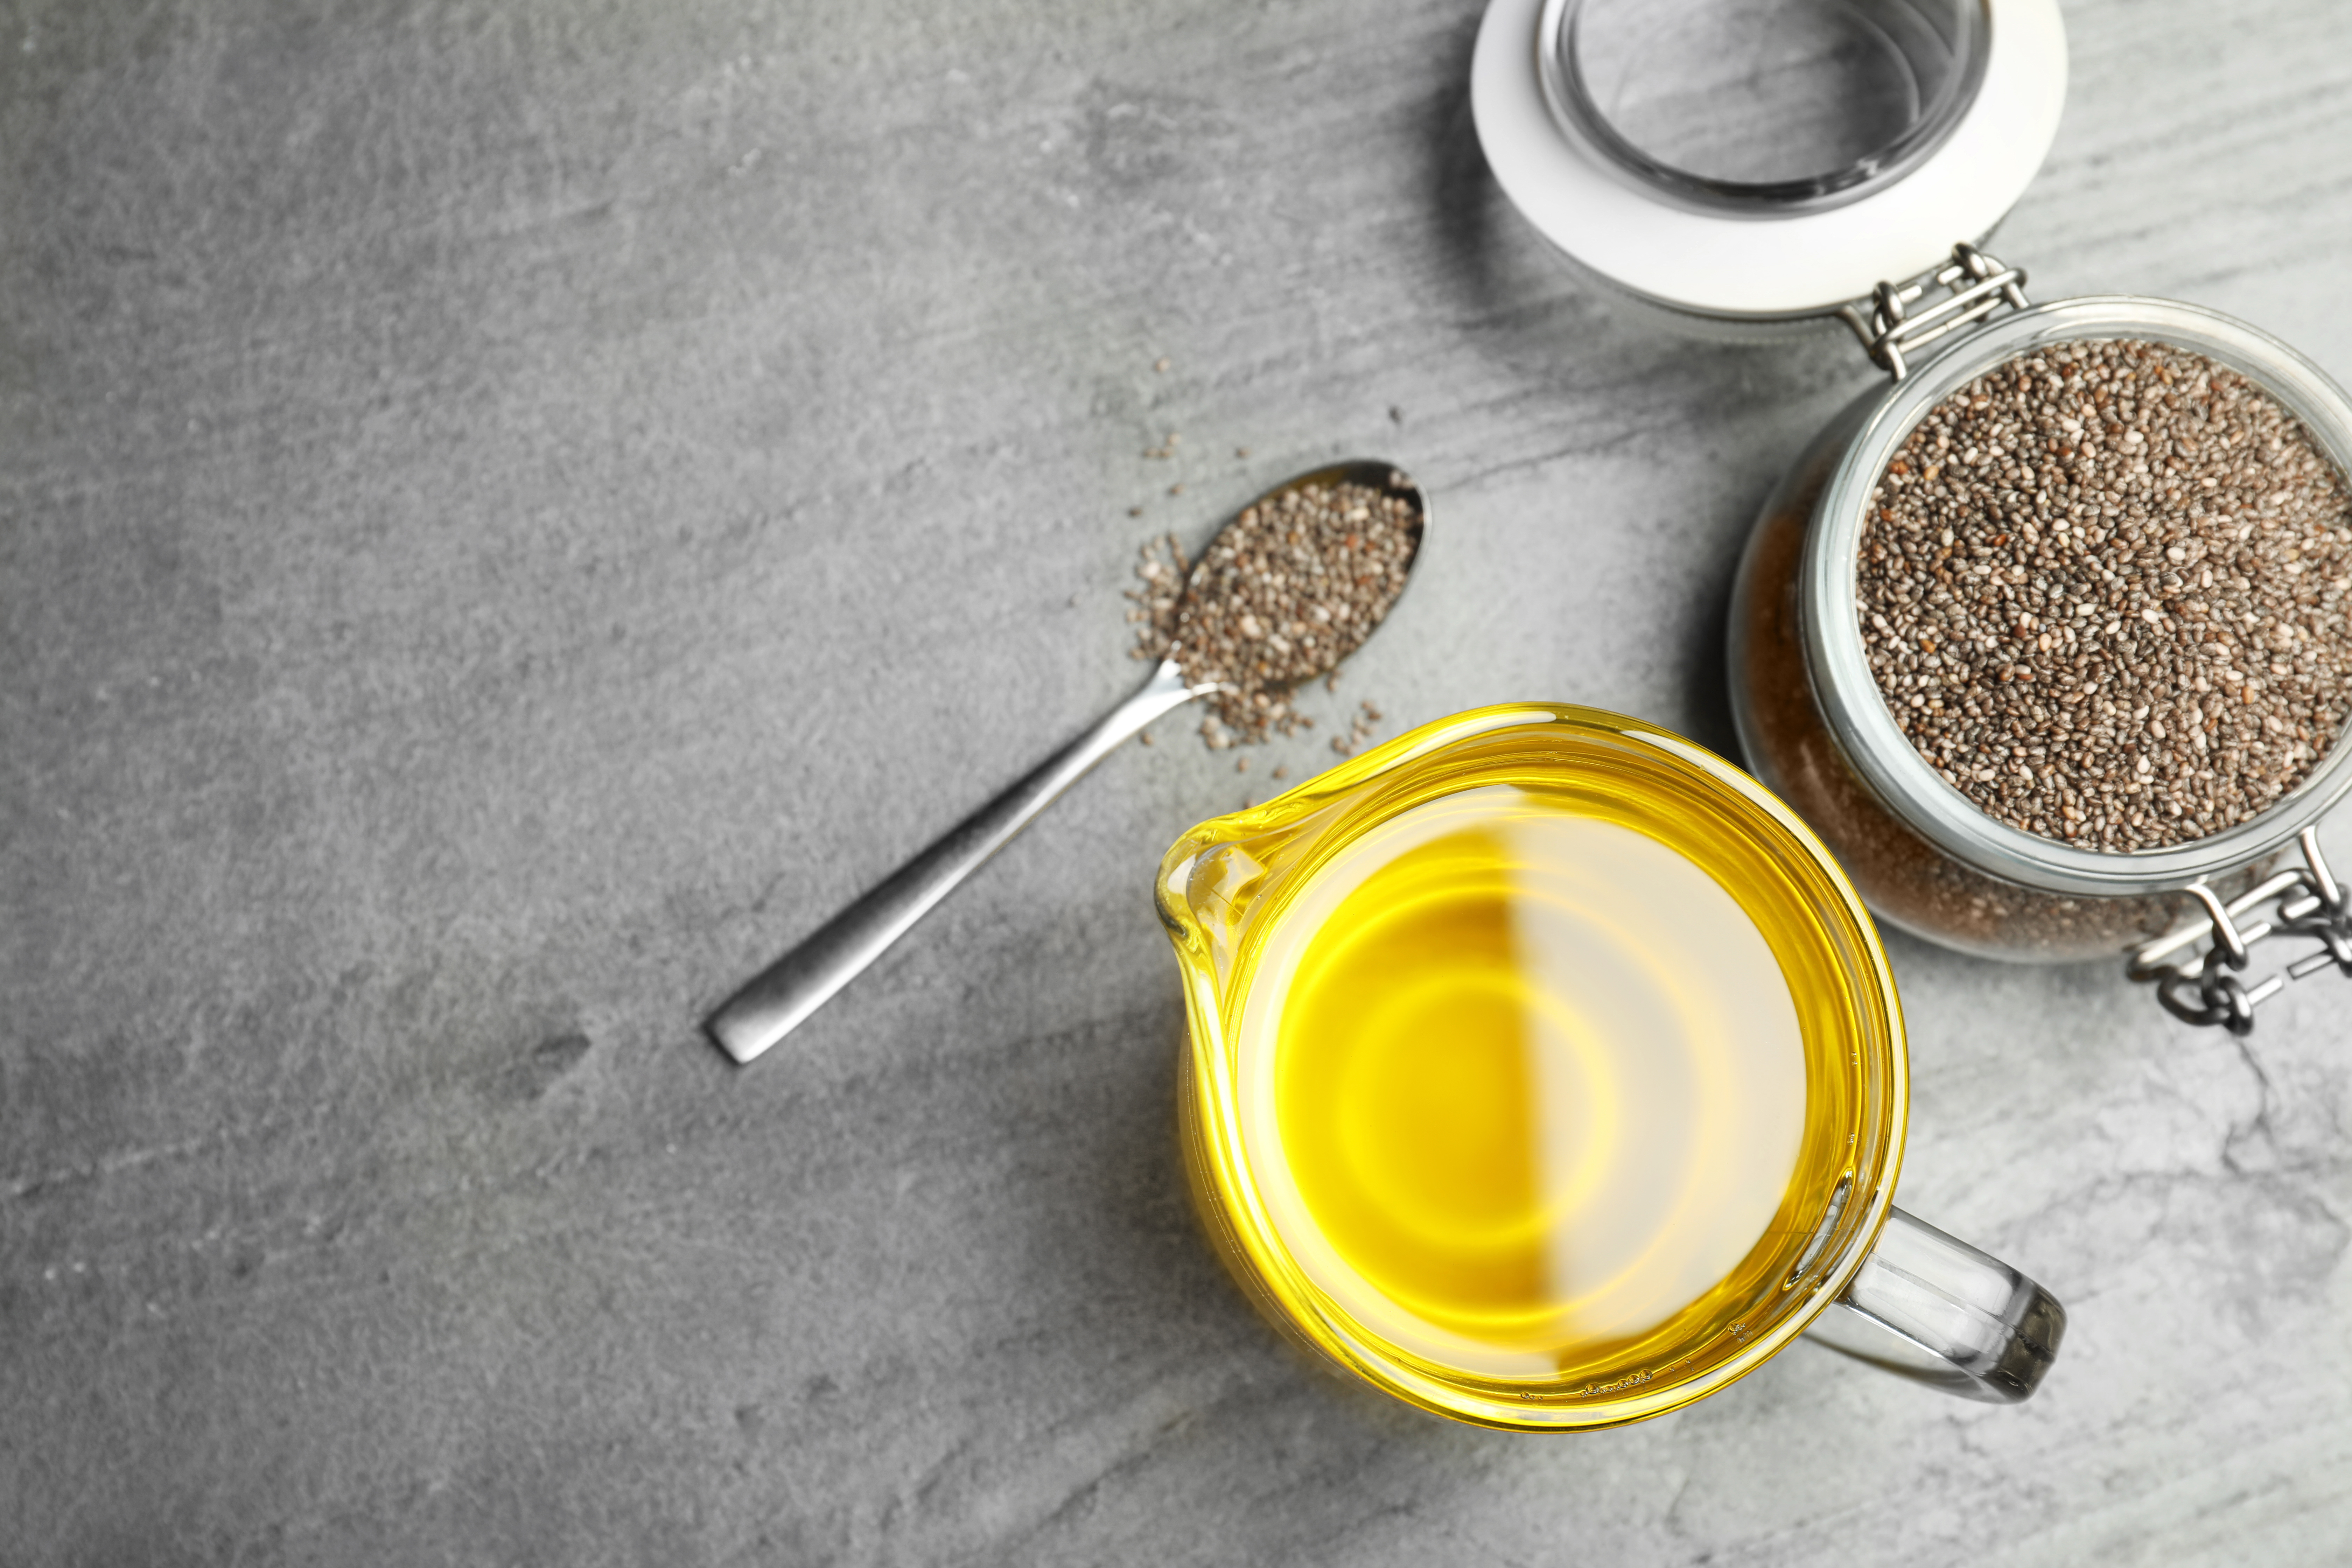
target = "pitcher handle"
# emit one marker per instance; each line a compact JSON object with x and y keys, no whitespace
{"x":1930,"y":1307}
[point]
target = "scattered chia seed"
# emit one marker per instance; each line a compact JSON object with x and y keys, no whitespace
{"x":1359,"y":729}
{"x":1287,"y":590}
{"x":2103,"y":589}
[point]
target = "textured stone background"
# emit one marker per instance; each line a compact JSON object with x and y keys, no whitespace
{"x":511,"y":511}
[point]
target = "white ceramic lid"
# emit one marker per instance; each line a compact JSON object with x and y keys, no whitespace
{"x":1777,"y":263}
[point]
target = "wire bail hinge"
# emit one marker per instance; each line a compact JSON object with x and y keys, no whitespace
{"x":1977,"y":285}
{"x":2205,"y":987}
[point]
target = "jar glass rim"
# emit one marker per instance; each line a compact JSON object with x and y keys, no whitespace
{"x":1856,"y":712}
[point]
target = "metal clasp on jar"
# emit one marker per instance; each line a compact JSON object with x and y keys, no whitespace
{"x":2205,"y":987}
{"x":1977,"y":286}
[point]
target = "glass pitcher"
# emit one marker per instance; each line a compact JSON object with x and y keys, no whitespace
{"x":1659,"y":1170}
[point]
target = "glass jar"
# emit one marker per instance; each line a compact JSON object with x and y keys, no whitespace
{"x":1749,"y":162}
{"x":1818,"y":732}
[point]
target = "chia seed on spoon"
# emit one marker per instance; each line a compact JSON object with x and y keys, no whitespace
{"x":1288,"y":589}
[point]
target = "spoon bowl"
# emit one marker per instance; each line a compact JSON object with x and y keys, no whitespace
{"x":1294,"y":567}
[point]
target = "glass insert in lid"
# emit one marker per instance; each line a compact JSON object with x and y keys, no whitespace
{"x":1764,"y":103}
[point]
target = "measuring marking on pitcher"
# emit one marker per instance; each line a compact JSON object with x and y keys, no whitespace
{"x":1519,"y":1082}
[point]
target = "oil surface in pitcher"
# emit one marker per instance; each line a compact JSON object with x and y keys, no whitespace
{"x":1520,"y":1083}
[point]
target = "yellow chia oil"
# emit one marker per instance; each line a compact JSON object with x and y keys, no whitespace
{"x":1523,"y":1084}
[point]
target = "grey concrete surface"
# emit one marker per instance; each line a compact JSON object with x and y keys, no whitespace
{"x":510,"y":512}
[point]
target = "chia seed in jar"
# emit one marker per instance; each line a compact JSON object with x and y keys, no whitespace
{"x":2103,"y":591}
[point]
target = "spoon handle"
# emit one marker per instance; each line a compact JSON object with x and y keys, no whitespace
{"x":804,"y":979}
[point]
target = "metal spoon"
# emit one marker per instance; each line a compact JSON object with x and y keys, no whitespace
{"x":804,"y":979}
